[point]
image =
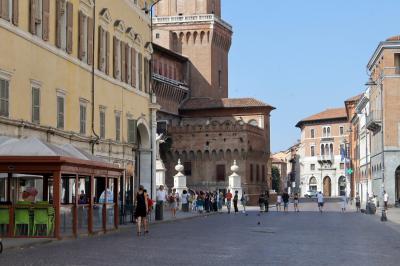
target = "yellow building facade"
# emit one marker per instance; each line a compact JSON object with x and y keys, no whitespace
{"x":63,"y":62}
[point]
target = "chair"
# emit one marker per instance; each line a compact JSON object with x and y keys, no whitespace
{"x":40,"y":217}
{"x":22,"y":218}
{"x":4,"y":218}
{"x":51,"y":214}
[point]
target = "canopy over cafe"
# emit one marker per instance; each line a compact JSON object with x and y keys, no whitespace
{"x":48,"y":190}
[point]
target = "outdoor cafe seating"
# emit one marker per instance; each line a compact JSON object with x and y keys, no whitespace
{"x":48,"y":190}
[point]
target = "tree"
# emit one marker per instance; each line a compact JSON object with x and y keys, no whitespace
{"x":276,"y":178}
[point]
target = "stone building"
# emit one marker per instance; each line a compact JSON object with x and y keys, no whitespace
{"x":323,"y":140}
{"x":204,"y":128}
{"x":75,"y":72}
{"x":383,"y":119}
{"x":289,"y":168}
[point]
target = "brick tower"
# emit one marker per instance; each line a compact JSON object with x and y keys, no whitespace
{"x":194,"y":28}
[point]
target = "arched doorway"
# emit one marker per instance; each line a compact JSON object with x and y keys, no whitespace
{"x":143,"y":156}
{"x":312,"y":184}
{"x":398,"y":183}
{"x":342,"y":186}
{"x":327,"y":186}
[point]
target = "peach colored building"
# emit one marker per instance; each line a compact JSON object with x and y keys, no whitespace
{"x":323,"y":137}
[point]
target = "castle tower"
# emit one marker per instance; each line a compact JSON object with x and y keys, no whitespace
{"x":194,"y":28}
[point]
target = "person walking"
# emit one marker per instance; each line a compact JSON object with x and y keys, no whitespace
{"x":320,"y":199}
{"x":235,"y":201}
{"x":229,"y":201}
{"x":385,"y":199}
{"x":141,"y":211}
{"x":358,"y":202}
{"x":220,"y":201}
{"x":296,"y":202}
{"x":261,"y":202}
{"x":344,"y":203}
{"x":266,"y":201}
{"x":278,"y":202}
{"x":285,"y":198}
{"x":161,"y":197}
{"x":173,"y":201}
{"x":185,"y":201}
{"x":244,"y":200}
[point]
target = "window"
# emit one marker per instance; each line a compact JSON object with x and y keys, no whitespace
{"x":117,"y":58}
{"x":85,"y":41}
{"x":157,"y":35}
{"x":132,"y":131}
{"x":35,"y":105}
{"x":341,"y":166}
{"x":104,"y":50}
{"x":397,"y":63}
{"x":118,"y":127}
{"x":251,"y":173}
{"x":313,"y":184}
{"x":221,"y":174}
{"x":312,"y":151}
{"x":102,"y":123}
{"x":328,"y":131}
{"x":9,"y":11}
{"x":39,"y":15}
{"x":140,"y":71}
{"x":263,"y":173}
{"x":60,"y":111}
{"x":258,"y":173}
{"x":312,"y":133}
{"x":188,"y":168}
{"x":322,"y":149}
{"x":312,"y":167}
{"x":341,"y":131}
{"x":4,"y":97}
{"x":61,"y":25}
{"x":82,"y":119}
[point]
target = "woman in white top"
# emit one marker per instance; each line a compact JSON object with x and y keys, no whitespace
{"x":344,"y":203}
{"x":278,"y":202}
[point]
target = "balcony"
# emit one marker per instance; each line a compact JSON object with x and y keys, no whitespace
{"x":374,"y":121}
{"x":191,"y":19}
{"x":326,"y":159}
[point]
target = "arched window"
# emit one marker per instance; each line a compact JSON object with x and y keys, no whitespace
{"x":324,"y":132}
{"x":322,"y":149}
{"x":313,"y":184}
{"x":331,"y":149}
{"x":328,"y":132}
{"x":342,"y":186}
{"x":327,"y":149}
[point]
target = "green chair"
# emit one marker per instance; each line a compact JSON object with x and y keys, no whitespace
{"x":22,"y":218}
{"x":40,"y":217}
{"x":51,"y":215}
{"x":4,"y":218}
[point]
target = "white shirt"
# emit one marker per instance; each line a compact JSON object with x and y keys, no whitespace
{"x":161,"y":195}
{"x":184,"y":198}
{"x":385,"y":197}
{"x":320,"y":198}
{"x":279,"y":199}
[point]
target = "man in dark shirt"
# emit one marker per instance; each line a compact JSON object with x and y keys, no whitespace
{"x":285,"y":198}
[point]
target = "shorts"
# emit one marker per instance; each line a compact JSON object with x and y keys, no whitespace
{"x":320,"y":204}
{"x":296,"y":202}
{"x":358,"y":205}
{"x":285,"y":204}
{"x":386,"y":204}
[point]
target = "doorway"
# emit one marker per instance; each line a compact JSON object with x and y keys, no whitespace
{"x":327,"y":186}
{"x":342,"y":186}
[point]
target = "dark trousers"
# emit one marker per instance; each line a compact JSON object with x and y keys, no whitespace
{"x":235,"y":205}
{"x":266,"y":203}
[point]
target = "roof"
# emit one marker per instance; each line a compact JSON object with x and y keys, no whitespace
{"x":393,"y":38}
{"x":37,"y":147}
{"x":355,"y":98}
{"x":327,"y":115}
{"x":169,"y":52}
{"x":209,"y":103}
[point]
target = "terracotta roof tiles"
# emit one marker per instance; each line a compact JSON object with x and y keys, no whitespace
{"x":328,"y":114}
{"x":209,"y":103}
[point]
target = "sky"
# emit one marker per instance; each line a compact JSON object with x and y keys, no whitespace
{"x":304,"y":56}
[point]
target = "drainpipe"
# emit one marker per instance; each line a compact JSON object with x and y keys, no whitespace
{"x":96,"y":141}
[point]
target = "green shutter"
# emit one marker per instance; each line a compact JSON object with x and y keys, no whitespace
{"x":132,"y":131}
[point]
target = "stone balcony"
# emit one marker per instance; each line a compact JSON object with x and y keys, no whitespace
{"x":191,"y":19}
{"x":374,"y":120}
{"x":326,"y":159}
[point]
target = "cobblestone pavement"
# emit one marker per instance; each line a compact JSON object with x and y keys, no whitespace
{"x":304,"y":238}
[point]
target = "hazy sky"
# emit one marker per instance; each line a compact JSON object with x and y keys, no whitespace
{"x":303,"y":56}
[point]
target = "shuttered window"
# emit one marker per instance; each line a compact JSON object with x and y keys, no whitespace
{"x":146,"y":75}
{"x":35,"y":105}
{"x":118,"y":127}
{"x":123,"y":62}
{"x":9,"y":10}
{"x":70,"y":24}
{"x":117,"y":58}
{"x":128,"y":64}
{"x":102,"y":123}
{"x":60,"y":112}
{"x":61,"y":24}
{"x":132,"y":131}
{"x":4,"y":97}
{"x":82,"y":119}
{"x":140,"y":71}
{"x":83,"y":40}
{"x":221,"y":174}
{"x":134,"y":71}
